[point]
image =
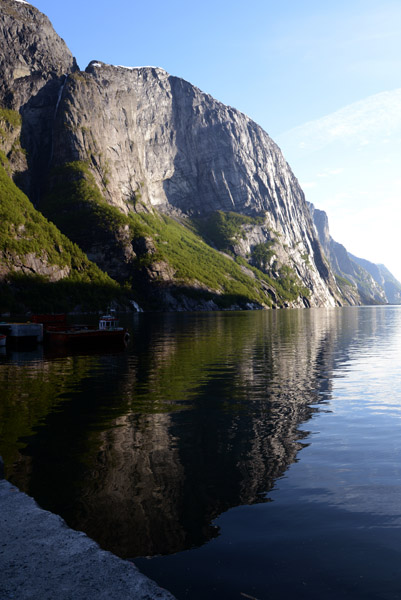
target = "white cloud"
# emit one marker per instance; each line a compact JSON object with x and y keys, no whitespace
{"x":352,"y":157}
{"x":376,"y":117}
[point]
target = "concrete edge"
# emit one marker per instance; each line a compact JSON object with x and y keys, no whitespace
{"x":41,"y":557}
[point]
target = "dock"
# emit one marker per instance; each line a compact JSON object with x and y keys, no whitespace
{"x":41,"y":558}
{"x":22,"y":334}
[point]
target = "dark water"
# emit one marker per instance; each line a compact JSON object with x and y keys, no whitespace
{"x":253,"y":454}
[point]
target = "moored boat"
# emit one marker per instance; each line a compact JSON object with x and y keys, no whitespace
{"x":108,"y":333}
{"x":46,"y":319}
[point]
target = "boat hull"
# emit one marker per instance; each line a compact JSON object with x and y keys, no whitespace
{"x":88,"y":337}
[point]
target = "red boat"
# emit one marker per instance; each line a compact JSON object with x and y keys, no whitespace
{"x":107,"y":334}
{"x":50,"y":319}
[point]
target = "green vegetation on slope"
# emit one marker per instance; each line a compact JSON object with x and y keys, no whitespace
{"x":25,"y":232}
{"x":9,"y":118}
{"x":224,"y":229}
{"x":21,"y":292}
{"x":343,"y":282}
{"x":10,"y":147}
{"x":262,"y":254}
{"x":287,"y":286}
{"x":77,"y":206}
{"x":195,"y":261}
{"x":79,"y":209}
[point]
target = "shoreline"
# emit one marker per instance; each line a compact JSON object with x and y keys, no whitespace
{"x":41,"y":557}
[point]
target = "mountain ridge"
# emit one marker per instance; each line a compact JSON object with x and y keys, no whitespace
{"x":182,"y":199}
{"x":361,"y":281}
{"x":185,"y":155}
{"x":380,"y":273}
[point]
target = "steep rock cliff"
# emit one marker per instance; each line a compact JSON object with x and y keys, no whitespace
{"x":112,"y":153}
{"x":155,"y":142}
{"x":358,"y":285}
{"x":39,"y":267}
{"x":382,"y":276}
{"x":33,"y":64}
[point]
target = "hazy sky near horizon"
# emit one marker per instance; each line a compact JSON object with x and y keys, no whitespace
{"x":292,"y":66}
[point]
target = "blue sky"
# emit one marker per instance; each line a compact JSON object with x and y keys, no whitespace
{"x":282,"y":63}
{"x":287,"y":65}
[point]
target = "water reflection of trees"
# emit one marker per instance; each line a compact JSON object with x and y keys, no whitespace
{"x":202,"y":416}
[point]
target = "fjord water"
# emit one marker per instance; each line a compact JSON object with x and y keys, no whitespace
{"x":231,"y":455}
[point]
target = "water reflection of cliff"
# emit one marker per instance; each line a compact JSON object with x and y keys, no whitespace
{"x":31,"y":387}
{"x":202,"y":416}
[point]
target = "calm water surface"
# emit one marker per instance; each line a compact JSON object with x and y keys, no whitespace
{"x":231,"y":455}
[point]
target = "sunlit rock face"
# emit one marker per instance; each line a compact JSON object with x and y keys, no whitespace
{"x":383,"y":277}
{"x":177,"y":146}
{"x":364,"y":288}
{"x":154,"y":141}
{"x":36,"y":55}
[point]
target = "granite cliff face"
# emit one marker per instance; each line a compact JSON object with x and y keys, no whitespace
{"x":357,"y":282}
{"x":39,"y":267}
{"x":33,"y":64}
{"x":181,"y":150}
{"x":137,"y":167}
{"x":382,"y":276}
{"x":153,"y":142}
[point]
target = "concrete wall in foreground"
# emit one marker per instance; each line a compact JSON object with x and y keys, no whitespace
{"x":40,"y":557}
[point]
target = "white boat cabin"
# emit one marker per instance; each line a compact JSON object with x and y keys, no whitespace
{"x":108,"y":322}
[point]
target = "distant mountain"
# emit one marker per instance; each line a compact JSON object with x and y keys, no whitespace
{"x":360,"y":281}
{"x":383,"y":277}
{"x":349,"y":160}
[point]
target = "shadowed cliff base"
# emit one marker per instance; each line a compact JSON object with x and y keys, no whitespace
{"x":22,"y":293}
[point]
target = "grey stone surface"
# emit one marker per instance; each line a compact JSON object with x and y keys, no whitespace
{"x":34,"y":55}
{"x":162,"y":143}
{"x":42,"y":559}
{"x":366,"y":287}
{"x":383,"y":277}
{"x":152,"y":142}
{"x":33,"y":63}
